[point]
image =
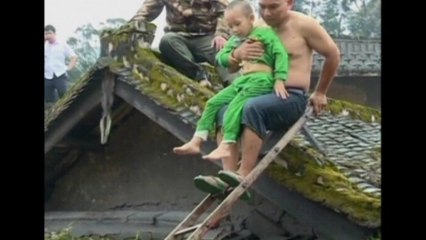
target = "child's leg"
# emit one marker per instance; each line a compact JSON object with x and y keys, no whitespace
{"x":232,"y":121}
{"x":232,"y":118}
{"x":207,"y":121}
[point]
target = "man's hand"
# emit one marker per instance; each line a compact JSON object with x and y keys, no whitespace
{"x":137,"y":17}
{"x":318,"y":101}
{"x":280,"y":89}
{"x":218,"y":42}
{"x":187,"y":12}
{"x":248,"y":51}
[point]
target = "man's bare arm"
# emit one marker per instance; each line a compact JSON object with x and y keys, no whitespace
{"x":320,"y":41}
{"x":72,"y":63}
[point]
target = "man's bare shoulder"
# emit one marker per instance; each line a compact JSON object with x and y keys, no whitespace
{"x":259,"y":22}
{"x":304,"y":22}
{"x":302,"y":19}
{"x":224,"y":2}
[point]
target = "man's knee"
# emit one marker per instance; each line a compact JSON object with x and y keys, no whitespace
{"x":253,"y":118}
{"x":168,"y":40}
{"x":251,"y":108}
{"x":61,"y":85}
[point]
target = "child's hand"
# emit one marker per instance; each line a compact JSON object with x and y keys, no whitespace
{"x":252,"y":39}
{"x":280,"y":89}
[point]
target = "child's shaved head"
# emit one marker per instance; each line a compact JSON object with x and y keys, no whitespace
{"x":243,"y":4}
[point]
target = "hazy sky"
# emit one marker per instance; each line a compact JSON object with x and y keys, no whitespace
{"x":67,"y":15}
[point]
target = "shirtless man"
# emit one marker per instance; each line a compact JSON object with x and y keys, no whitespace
{"x":302,"y":36}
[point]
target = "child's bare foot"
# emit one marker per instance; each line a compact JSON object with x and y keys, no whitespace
{"x":222,"y":151}
{"x":191,"y":147}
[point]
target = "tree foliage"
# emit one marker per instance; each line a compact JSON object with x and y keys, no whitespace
{"x":365,"y":21}
{"x":333,"y":18}
{"x":86,"y":45}
{"x":359,"y":18}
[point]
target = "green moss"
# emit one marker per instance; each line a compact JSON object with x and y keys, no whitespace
{"x":164,"y":84}
{"x":356,"y":111}
{"x":325,"y":184}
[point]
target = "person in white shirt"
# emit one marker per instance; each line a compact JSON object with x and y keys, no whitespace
{"x":55,"y":67}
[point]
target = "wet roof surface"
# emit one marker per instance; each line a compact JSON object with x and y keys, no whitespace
{"x":352,"y":145}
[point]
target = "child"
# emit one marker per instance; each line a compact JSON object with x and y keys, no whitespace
{"x":259,"y":77}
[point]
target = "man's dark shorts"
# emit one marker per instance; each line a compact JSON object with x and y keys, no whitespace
{"x":271,"y":113}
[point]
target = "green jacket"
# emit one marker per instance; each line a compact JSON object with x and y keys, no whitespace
{"x":275,"y":54}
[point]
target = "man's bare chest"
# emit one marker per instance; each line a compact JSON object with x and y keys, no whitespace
{"x":294,"y":43}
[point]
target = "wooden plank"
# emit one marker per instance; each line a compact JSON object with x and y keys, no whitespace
{"x":192,"y":217}
{"x":186,"y":230}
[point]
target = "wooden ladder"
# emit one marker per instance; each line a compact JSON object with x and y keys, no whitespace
{"x":197,"y":231}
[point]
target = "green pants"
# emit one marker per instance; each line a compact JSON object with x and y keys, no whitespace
{"x":236,"y":95}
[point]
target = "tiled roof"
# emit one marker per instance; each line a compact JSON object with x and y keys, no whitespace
{"x":63,"y":103}
{"x":358,"y":58}
{"x":353,"y":146}
{"x":345,"y":178}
